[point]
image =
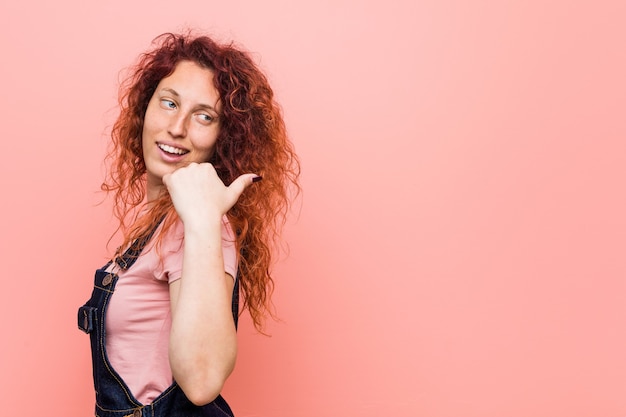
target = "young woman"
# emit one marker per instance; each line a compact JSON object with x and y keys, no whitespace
{"x":201,"y":171}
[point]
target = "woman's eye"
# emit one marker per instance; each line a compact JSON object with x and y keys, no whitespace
{"x":168,"y":104}
{"x":205,"y":118}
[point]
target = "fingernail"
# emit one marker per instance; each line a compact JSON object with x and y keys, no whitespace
{"x":257,"y":178}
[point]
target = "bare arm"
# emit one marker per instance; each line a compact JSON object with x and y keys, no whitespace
{"x":203,"y":342}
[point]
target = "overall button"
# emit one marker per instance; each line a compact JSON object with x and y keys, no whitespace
{"x":106,"y":281}
{"x":137,"y":413}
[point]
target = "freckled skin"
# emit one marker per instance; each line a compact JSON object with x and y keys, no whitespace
{"x":182,"y":113}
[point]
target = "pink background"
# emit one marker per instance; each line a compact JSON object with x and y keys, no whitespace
{"x":459,"y":248}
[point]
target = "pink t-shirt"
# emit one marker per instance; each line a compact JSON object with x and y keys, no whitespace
{"x":138,"y":317}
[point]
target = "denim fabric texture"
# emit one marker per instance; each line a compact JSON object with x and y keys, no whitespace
{"x":113,"y":398}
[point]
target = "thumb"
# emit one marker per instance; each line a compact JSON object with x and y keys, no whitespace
{"x":241,"y":182}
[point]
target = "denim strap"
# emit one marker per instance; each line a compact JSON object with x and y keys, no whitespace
{"x":129,"y":257}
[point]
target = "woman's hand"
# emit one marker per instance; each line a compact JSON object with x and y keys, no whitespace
{"x":197,"y":191}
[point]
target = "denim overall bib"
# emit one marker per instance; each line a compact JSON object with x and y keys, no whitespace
{"x":113,"y":398}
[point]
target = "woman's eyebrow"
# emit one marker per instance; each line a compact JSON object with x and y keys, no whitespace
{"x":171,"y":91}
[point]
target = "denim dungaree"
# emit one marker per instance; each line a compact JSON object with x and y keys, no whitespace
{"x":113,"y":398}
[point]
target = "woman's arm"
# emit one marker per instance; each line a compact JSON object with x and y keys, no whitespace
{"x":203,"y":341}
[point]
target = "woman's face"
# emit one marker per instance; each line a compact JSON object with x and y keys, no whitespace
{"x":181,"y":123}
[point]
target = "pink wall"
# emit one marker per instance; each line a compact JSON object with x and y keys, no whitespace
{"x":460,"y":245}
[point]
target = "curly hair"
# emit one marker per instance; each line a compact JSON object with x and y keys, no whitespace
{"x":252,"y":138}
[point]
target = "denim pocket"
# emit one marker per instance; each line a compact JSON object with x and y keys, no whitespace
{"x":86,"y":318}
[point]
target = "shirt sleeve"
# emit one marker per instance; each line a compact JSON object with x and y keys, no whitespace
{"x":171,"y":264}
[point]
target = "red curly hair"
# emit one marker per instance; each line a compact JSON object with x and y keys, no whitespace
{"x":252,"y":138}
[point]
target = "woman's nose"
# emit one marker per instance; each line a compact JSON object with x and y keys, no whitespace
{"x":178,"y":125}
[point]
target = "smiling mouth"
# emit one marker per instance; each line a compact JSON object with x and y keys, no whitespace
{"x":171,"y":150}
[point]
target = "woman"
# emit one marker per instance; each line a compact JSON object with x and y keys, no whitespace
{"x":198,"y":129}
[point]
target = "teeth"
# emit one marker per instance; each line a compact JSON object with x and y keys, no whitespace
{"x":171,"y":149}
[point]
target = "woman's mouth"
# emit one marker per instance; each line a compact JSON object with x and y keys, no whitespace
{"x":172,"y":149}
